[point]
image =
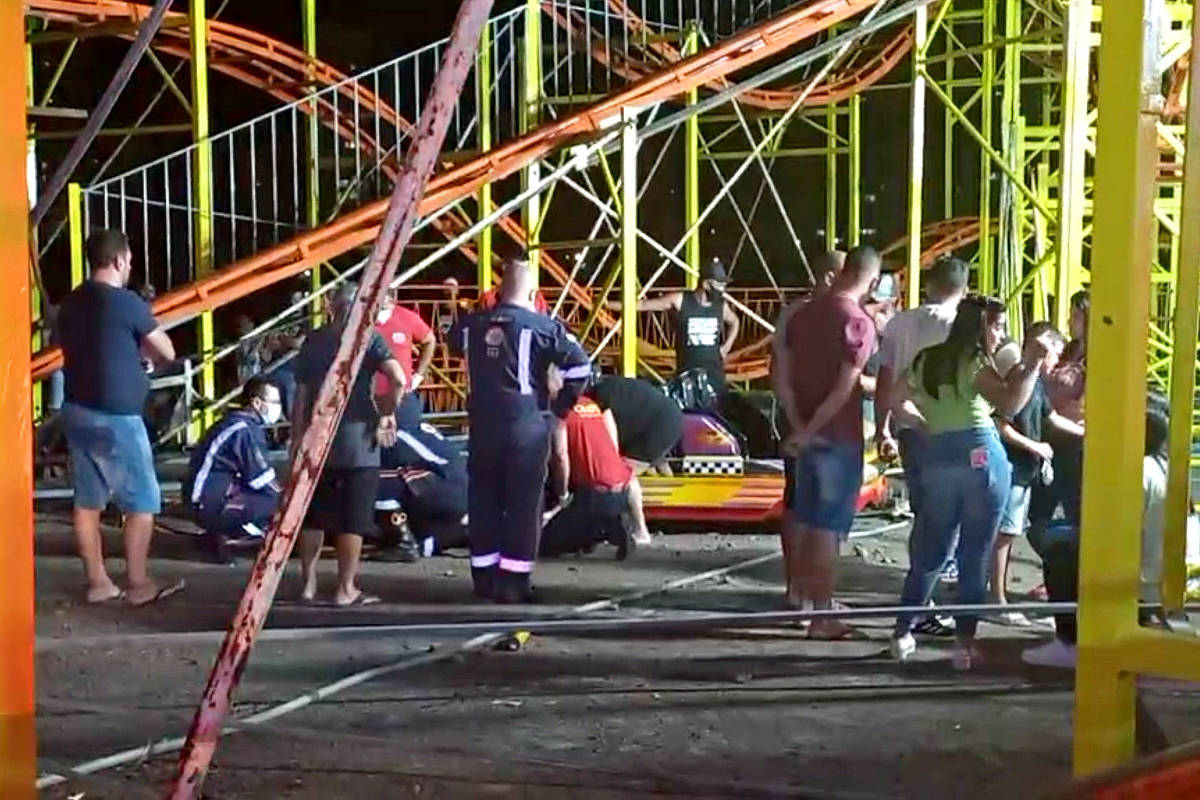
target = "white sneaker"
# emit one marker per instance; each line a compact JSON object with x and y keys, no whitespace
{"x":964,"y":658}
{"x":902,"y":647}
{"x":1053,"y":653}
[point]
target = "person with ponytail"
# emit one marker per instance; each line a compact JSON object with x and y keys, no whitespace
{"x":954,"y":390}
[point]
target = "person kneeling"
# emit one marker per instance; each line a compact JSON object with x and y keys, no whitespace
{"x":585,"y":457}
{"x":231,"y":488}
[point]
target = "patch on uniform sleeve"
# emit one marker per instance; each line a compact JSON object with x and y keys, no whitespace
{"x":571,"y":338}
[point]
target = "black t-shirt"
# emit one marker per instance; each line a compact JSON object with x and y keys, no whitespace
{"x":1028,"y":421}
{"x":100,"y":328}
{"x":354,"y":444}
{"x":638,"y":407}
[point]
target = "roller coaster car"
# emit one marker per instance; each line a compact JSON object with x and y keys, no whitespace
{"x":729,"y":478}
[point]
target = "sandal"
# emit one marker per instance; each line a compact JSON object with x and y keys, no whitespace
{"x":162,"y":594}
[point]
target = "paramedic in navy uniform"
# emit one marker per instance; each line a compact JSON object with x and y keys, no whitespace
{"x":509,"y":350}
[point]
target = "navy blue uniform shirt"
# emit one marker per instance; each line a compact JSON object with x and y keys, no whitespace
{"x":509,"y":350}
{"x":233,"y":452}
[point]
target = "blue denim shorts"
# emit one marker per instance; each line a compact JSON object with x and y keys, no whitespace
{"x":826,"y":478}
{"x":111,"y":461}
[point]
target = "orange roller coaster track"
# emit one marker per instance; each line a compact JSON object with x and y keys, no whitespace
{"x":361,"y":226}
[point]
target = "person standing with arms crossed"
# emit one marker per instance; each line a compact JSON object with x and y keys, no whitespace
{"x":827,"y":343}
{"x":509,"y":350}
{"x":107,"y":333}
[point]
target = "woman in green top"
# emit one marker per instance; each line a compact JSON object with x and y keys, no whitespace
{"x":955,"y":389}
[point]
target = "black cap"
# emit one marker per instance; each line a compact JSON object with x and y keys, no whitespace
{"x":714,"y":271}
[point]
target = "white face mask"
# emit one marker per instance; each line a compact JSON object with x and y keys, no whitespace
{"x":272,"y":412}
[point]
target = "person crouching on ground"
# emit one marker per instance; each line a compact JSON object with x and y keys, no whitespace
{"x":827,"y":342}
{"x":966,"y":475}
{"x":231,"y":487}
{"x":605,"y":496}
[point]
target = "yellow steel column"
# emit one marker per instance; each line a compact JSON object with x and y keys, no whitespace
{"x":987,"y":264}
{"x":75,"y":231}
{"x":831,"y":174}
{"x":530,"y":115}
{"x":1110,"y":541}
{"x":202,"y":200}
{"x":1073,"y":155}
{"x":312,"y":182}
{"x":629,"y":223}
{"x":916,"y":158}
{"x":854,"y":170}
{"x":1183,"y":362}
{"x":691,"y":171}
{"x":18,"y":739}
{"x":36,"y":300}
{"x":483,"y":93}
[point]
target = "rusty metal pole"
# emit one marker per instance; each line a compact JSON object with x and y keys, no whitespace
{"x":306,"y":467}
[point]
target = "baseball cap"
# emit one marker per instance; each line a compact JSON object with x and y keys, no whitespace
{"x":714,"y":271}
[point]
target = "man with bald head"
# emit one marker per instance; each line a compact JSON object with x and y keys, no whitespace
{"x":509,"y":349}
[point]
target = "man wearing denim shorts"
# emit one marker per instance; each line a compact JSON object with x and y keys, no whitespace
{"x":826,"y":345}
{"x":107,"y":334}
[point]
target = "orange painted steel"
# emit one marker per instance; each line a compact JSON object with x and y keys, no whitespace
{"x":852,"y":78}
{"x":939,"y":238}
{"x":18,"y":737}
{"x":359,"y":227}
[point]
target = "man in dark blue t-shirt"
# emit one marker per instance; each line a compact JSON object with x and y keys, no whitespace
{"x":344,"y":503}
{"x":107,"y":333}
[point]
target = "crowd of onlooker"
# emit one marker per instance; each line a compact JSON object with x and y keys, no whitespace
{"x":989,"y":431}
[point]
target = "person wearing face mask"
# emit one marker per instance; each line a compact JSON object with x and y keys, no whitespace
{"x":230,"y":487}
{"x":401,"y":330}
{"x":106,"y":331}
{"x":707,"y":325}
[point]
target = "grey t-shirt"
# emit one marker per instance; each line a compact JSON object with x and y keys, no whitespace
{"x":354,"y":443}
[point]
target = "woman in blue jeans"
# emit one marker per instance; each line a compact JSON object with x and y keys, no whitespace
{"x":965,"y":478}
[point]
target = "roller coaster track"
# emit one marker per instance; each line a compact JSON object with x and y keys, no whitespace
{"x":865,"y":68}
{"x":287,"y":74}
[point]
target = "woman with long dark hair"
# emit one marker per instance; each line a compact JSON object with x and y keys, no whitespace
{"x":966,"y":476}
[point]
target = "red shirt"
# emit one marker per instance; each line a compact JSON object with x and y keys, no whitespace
{"x":400,"y":330}
{"x":595,"y":460}
{"x":489,"y":298}
{"x":829,"y":331}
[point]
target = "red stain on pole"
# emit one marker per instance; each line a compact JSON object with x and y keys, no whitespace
{"x":394,"y":235}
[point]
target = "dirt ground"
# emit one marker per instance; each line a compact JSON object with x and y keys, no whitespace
{"x":749,"y":713}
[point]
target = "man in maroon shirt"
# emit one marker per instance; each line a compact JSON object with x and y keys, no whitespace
{"x":825,"y":346}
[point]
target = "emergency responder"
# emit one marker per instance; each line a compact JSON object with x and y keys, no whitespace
{"x":230,"y":487}
{"x":509,"y":349}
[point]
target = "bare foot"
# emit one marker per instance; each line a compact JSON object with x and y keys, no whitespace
{"x":102,"y":593}
{"x":643,"y":539}
{"x":309,"y":592}
{"x":833,"y":630}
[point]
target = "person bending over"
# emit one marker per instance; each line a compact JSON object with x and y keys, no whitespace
{"x":604,"y":493}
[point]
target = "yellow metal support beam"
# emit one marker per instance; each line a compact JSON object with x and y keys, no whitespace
{"x":75,"y":232}
{"x":831,"y":177}
{"x":1073,"y":156}
{"x":629,"y":243}
{"x":201,"y":200}
{"x":1110,"y":541}
{"x":691,"y":171}
{"x":916,"y":158}
{"x":854,"y":170}
{"x":483,"y":94}
{"x":312,"y":181}
{"x":1183,"y":364}
{"x":530,"y":116}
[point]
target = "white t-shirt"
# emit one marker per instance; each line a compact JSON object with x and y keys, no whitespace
{"x":909,"y":333}
{"x":1154,"y":509}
